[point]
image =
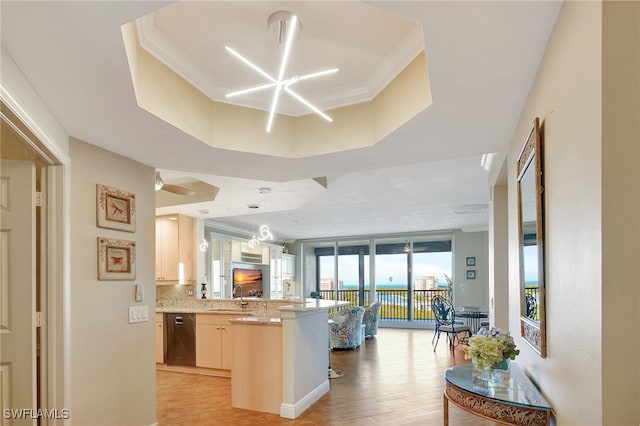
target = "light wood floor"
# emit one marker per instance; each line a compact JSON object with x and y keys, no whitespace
{"x":393,"y":379}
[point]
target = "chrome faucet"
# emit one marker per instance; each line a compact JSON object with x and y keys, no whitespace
{"x":243,"y":303}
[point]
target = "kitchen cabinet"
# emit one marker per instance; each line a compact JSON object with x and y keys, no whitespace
{"x":175,"y":249}
{"x":159,"y":339}
{"x":288,"y":266}
{"x":213,"y":341}
{"x":243,"y":253}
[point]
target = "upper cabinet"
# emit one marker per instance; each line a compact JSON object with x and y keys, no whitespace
{"x":175,"y":243}
{"x":288,"y":266}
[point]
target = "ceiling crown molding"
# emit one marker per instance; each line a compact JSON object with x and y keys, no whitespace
{"x":163,"y":49}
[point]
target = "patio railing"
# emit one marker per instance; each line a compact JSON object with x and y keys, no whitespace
{"x":395,"y":303}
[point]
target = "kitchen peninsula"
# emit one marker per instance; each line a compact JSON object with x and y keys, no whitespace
{"x":280,"y":352}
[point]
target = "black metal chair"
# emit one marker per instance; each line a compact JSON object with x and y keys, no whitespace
{"x":531,"y":306}
{"x":445,"y":315}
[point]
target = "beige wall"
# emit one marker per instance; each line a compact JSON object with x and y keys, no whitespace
{"x":471,"y":292}
{"x":112,"y":361}
{"x":591,"y":373}
{"x":498,"y":252}
{"x":620,"y":207}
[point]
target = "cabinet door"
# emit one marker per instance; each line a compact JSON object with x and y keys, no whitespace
{"x":208,"y":352}
{"x":159,"y":342}
{"x":185,"y":244}
{"x":225,"y":343}
{"x":158,"y":249}
{"x":288,"y":266}
{"x":168,"y":248}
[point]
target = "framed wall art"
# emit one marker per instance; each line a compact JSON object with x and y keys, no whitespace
{"x":471,"y":261}
{"x":471,"y":274}
{"x":116,"y":259}
{"x":115,"y":208}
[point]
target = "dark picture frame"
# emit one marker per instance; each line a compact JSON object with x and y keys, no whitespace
{"x":471,"y":274}
{"x":471,"y":261}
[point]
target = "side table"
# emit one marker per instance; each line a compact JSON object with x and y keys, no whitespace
{"x":518,"y":404}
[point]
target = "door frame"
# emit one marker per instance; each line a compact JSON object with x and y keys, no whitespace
{"x":54,"y":389}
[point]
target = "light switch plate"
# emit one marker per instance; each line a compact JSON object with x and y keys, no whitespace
{"x":139,"y":292}
{"x":138,"y":313}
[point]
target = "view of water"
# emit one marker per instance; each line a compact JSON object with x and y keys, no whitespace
{"x":382,"y":286}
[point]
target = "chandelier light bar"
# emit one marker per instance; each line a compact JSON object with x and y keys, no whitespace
{"x":251,"y":64}
{"x":287,"y":46}
{"x":274,"y":103}
{"x":280,"y":84}
{"x":250,"y":90}
{"x":315,"y":74}
{"x":308,"y":104}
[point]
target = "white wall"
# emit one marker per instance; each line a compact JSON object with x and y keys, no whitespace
{"x":471,"y":292}
{"x":591,"y":306}
{"x":112,"y":361}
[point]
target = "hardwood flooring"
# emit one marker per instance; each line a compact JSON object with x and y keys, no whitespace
{"x":393,"y":379}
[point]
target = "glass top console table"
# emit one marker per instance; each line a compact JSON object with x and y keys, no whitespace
{"x":518,"y":404}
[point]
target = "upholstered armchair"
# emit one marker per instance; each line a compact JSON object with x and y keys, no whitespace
{"x":346,"y":328}
{"x":370,"y":319}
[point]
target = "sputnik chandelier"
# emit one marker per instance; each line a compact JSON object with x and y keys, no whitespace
{"x":285,"y":25}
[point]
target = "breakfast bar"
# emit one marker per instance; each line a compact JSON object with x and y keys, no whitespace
{"x":290,"y":374}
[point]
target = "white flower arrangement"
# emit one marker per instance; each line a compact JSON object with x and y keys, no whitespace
{"x":494,"y":347}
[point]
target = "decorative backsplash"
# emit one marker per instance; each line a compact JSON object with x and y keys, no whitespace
{"x":177,"y":296}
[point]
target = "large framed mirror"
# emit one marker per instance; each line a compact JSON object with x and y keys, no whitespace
{"x":531,"y":241}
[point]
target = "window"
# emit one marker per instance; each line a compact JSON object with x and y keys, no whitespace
{"x":408,"y":273}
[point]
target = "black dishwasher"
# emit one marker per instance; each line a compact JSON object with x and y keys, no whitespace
{"x":180,"y":338}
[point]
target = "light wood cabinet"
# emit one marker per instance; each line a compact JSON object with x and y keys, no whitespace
{"x":159,"y":339}
{"x":175,"y":248}
{"x":213,"y":341}
{"x":257,"y":383}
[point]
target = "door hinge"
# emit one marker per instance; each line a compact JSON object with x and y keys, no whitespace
{"x":38,"y":199}
{"x":38,"y":319}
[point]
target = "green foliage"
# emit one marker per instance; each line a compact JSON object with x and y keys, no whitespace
{"x":493,"y":348}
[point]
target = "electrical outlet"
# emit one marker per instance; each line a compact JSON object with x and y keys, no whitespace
{"x":138,"y":313}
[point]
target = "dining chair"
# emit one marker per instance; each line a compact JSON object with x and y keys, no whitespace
{"x":445,"y":315}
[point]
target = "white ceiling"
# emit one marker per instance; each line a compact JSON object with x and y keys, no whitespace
{"x":482,"y":58}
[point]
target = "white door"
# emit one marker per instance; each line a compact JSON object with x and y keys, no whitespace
{"x":17,"y":290}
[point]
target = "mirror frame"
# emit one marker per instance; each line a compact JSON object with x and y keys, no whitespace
{"x":531,"y":158}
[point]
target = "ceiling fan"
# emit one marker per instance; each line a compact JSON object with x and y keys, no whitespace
{"x":175,"y":189}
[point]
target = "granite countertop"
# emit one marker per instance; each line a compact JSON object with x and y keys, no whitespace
{"x":315,"y":305}
{"x":216,"y":311}
{"x":257,"y":321}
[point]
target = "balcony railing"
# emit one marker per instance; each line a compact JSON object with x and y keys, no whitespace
{"x":395,"y":303}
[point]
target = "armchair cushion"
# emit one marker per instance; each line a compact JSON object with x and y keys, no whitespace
{"x":346,"y":329}
{"x":370,"y":319}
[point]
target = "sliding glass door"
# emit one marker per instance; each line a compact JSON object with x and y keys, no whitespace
{"x":408,"y":273}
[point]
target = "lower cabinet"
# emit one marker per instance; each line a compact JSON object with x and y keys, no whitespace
{"x":213,"y":341}
{"x":159,"y":339}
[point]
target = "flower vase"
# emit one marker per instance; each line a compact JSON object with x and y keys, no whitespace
{"x":495,"y":376}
